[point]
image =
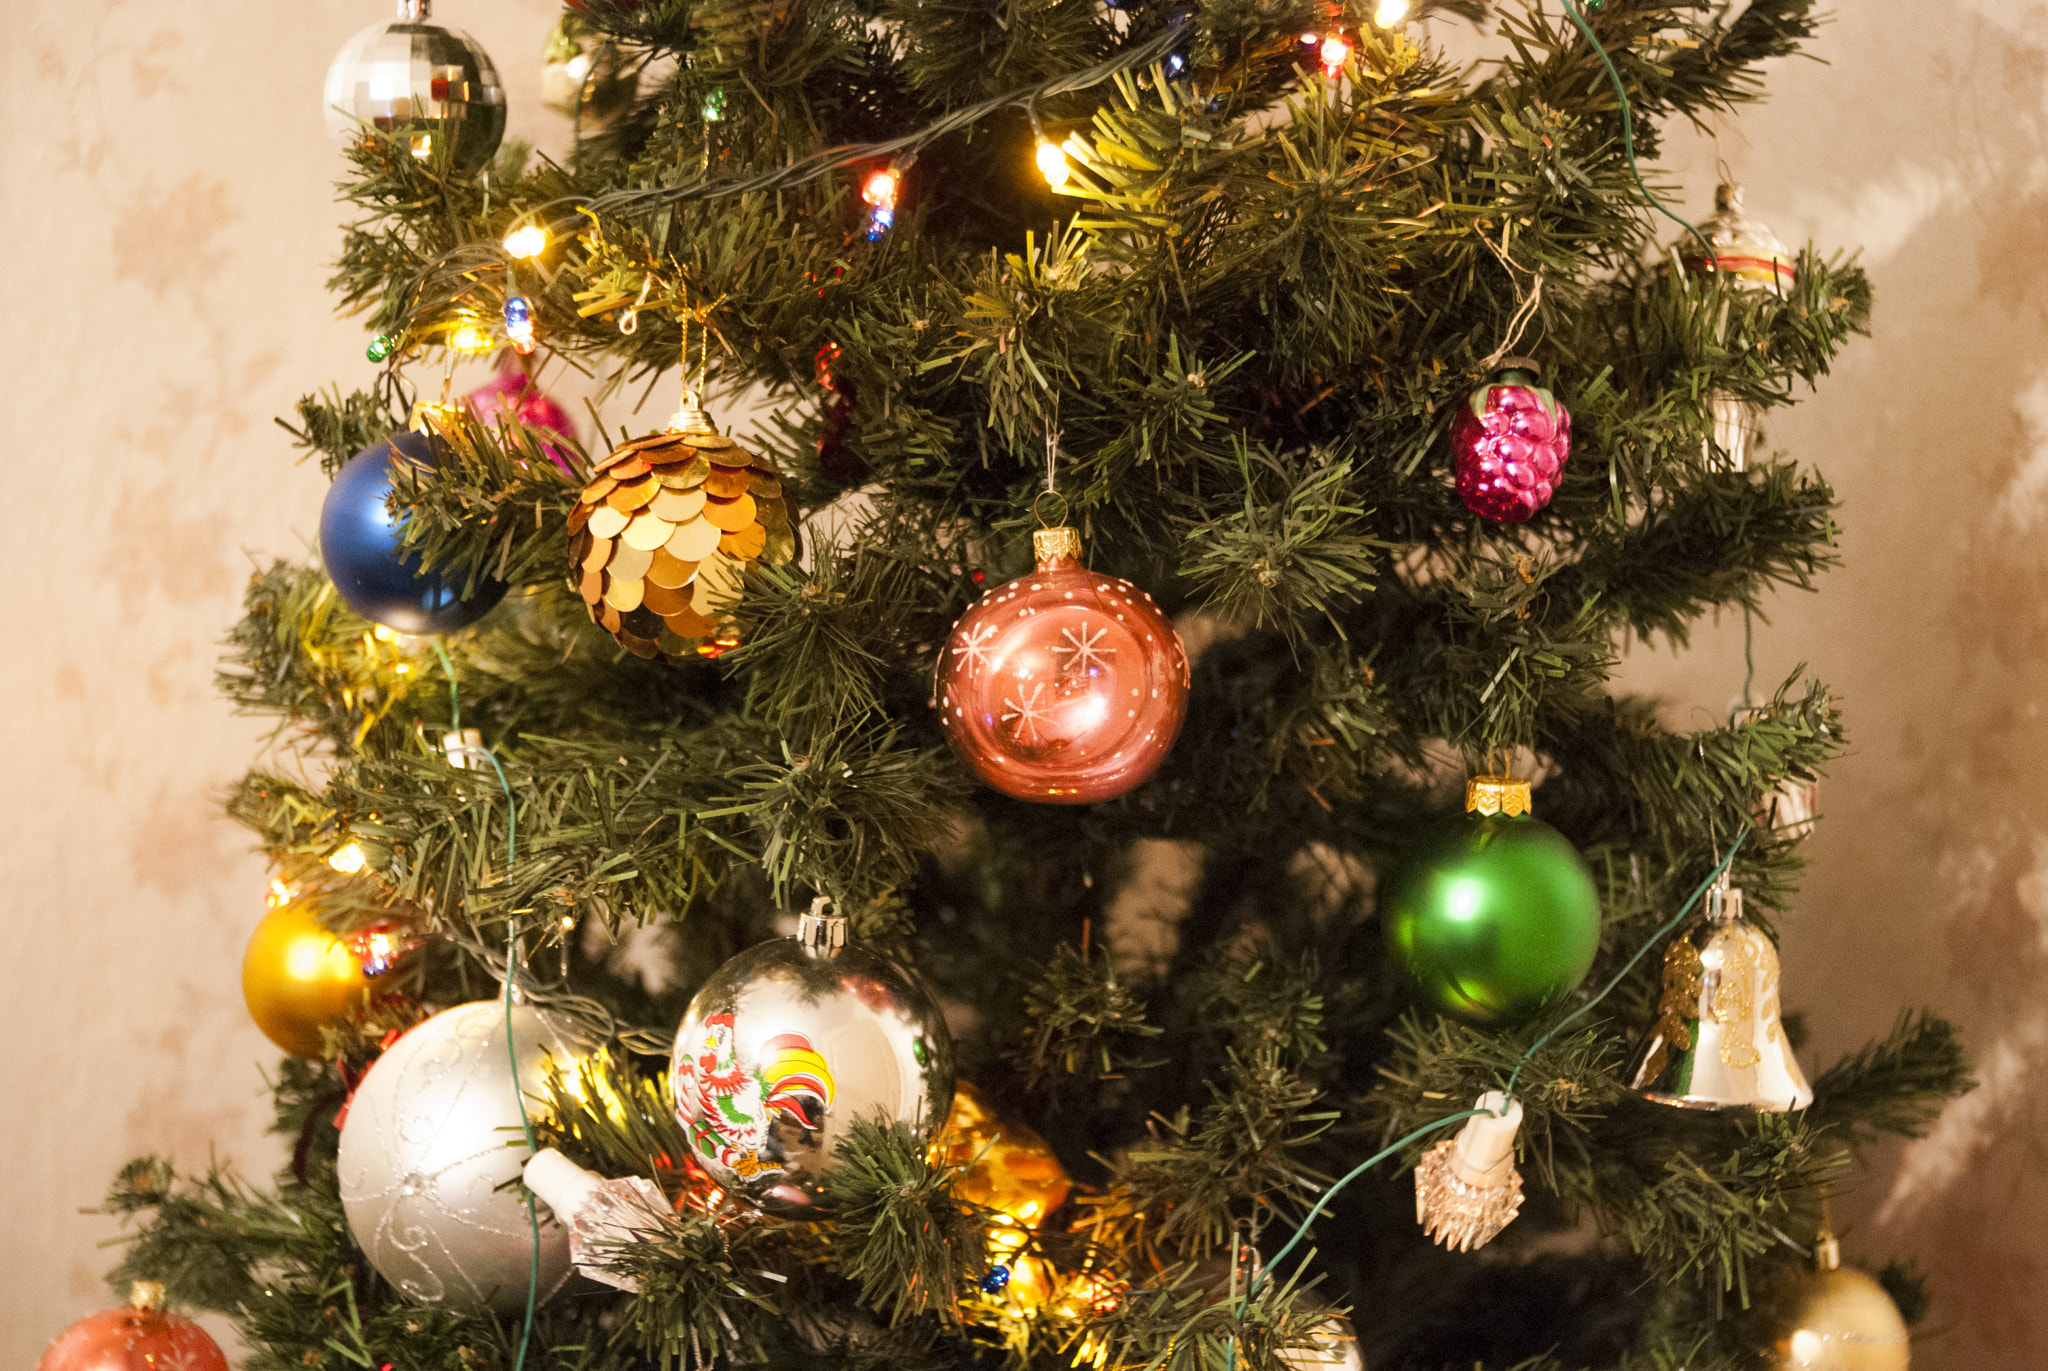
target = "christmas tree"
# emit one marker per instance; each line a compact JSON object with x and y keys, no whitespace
{"x":1267,"y":311}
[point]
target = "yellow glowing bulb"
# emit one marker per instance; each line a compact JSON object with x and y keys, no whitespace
{"x":280,"y":893}
{"x":530,"y":241}
{"x":383,"y":634}
{"x":1390,"y":13}
{"x":469,"y":338}
{"x":403,"y":668}
{"x":1053,"y":163}
{"x":348,"y":860}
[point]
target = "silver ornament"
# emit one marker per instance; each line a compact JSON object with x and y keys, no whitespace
{"x":431,"y":1139}
{"x":790,"y":1042}
{"x":1719,"y":1042}
{"x":432,"y":86}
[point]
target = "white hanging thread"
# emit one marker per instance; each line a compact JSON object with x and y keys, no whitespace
{"x":1526,"y":301}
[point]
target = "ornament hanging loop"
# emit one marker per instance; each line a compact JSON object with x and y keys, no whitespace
{"x":1038,"y":509}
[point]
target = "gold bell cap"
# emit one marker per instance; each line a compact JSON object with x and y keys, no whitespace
{"x":1497,"y":795}
{"x":1060,"y":544}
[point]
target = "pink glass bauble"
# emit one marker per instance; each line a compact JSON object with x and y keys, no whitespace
{"x":512,"y":393}
{"x":1064,"y":686}
{"x":141,"y":1337}
{"x":1509,"y":442}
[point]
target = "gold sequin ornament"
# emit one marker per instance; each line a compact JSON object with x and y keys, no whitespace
{"x":662,"y":536}
{"x":1719,"y":1042}
{"x":1467,"y":1188}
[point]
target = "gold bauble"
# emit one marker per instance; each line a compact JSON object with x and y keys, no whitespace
{"x":1007,"y":1165}
{"x":1841,"y":1320}
{"x":297,"y":978}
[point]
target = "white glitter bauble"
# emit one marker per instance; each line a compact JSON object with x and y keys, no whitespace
{"x":432,"y":1134}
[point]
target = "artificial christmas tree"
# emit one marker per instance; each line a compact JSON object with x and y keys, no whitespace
{"x":1232,"y":322}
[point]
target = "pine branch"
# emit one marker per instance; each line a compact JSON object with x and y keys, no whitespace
{"x":900,"y":1235}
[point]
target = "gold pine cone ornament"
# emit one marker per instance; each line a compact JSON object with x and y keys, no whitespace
{"x":661,"y":538}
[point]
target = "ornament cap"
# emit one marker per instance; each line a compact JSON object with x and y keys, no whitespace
{"x":1528,"y":366}
{"x":1827,"y":1252}
{"x":415,"y":11}
{"x":822,"y":932}
{"x":1497,"y":795}
{"x":1055,"y":545}
{"x":1728,"y":197}
{"x":429,"y":416}
{"x":146,"y":1297}
{"x":691,"y":418}
{"x":1724,"y":901}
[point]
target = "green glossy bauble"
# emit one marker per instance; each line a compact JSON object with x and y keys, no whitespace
{"x":1494,"y":918}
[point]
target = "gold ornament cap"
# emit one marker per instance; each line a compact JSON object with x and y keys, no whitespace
{"x":146,"y":1297}
{"x":425,"y":410}
{"x":1497,"y":795}
{"x":691,"y":418}
{"x":1060,"y":544}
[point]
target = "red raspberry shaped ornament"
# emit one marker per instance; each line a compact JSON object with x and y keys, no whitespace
{"x":1509,"y":443}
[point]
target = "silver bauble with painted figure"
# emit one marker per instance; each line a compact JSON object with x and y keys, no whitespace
{"x":791,"y":1042}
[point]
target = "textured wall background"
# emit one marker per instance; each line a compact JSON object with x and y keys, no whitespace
{"x":167,"y":181}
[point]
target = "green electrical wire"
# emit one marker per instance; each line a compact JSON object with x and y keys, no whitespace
{"x":1628,"y":134}
{"x":1376,"y":1158}
{"x":511,"y":958}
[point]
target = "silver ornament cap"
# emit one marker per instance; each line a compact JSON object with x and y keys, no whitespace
{"x":793,"y":1040}
{"x":432,"y":1136}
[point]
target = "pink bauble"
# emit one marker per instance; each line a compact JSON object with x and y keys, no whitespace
{"x":1064,"y":686}
{"x":512,"y":394}
{"x":1509,"y":443}
{"x":139,"y":1338}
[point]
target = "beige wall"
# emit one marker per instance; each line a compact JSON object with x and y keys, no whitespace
{"x":166,"y":182}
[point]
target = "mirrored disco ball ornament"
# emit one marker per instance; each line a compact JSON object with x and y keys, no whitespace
{"x":1063,"y":686}
{"x":432,"y":1136}
{"x":432,"y":87}
{"x":792,"y":1041}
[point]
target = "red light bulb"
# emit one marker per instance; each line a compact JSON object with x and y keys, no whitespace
{"x":879,"y":189}
{"x":1335,"y":53}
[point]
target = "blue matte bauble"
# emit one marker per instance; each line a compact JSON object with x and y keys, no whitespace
{"x":359,"y":544}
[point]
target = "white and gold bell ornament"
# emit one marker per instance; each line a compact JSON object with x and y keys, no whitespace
{"x":1467,"y":1188}
{"x":1719,"y":1042}
{"x":1840,"y":1320}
